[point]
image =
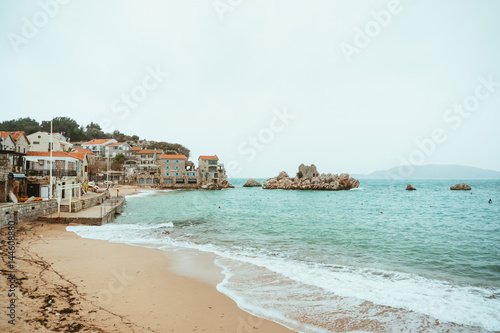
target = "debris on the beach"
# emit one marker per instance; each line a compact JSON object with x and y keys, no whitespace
{"x":29,"y":274}
{"x":28,"y":229}
{"x":41,"y":236}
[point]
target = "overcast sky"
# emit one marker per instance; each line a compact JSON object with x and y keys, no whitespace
{"x":350,"y":86}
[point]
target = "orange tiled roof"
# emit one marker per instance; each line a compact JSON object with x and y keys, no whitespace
{"x":16,"y":135}
{"x":96,"y":142}
{"x":148,"y":151}
{"x":116,"y":144}
{"x":135,"y":148}
{"x":4,"y":134}
{"x":173,"y":157}
{"x":79,"y":156}
{"x":206,"y":157}
{"x":83,"y":150}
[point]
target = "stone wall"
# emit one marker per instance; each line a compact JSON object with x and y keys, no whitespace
{"x":85,"y":203}
{"x":26,"y":211}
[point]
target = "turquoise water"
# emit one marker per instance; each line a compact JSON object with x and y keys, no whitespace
{"x":377,"y":258}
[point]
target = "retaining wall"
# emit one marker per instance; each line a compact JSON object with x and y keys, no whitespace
{"x":26,"y":211}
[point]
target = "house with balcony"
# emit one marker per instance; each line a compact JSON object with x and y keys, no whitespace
{"x":208,"y":167}
{"x":12,"y":180}
{"x":116,"y":148}
{"x":98,"y":146}
{"x":177,"y":171}
{"x":148,"y":156}
{"x":41,"y":142}
{"x":67,"y":168}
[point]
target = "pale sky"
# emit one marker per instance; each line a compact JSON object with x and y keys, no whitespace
{"x":356,"y":83}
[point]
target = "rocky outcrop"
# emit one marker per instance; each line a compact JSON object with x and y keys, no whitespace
{"x":226,"y":184}
{"x":460,"y":187}
{"x":213,"y":186}
{"x":252,"y":183}
{"x":308,"y":178}
{"x":410,"y":188}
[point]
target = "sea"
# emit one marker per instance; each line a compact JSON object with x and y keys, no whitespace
{"x":376,"y":258}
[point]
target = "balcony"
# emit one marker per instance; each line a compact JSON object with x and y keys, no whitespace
{"x":46,"y":172}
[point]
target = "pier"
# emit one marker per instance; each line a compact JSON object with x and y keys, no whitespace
{"x":95,"y":215}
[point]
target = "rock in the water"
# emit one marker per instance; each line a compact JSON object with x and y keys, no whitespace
{"x":410,"y":188}
{"x":308,"y":178}
{"x":252,"y":183}
{"x":213,"y":186}
{"x":462,"y":187}
{"x":226,"y":184}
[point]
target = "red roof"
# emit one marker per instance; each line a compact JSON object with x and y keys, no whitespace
{"x":117,"y":144}
{"x":17,"y":135}
{"x":96,"y":142}
{"x":173,"y":157}
{"x":79,"y":156}
{"x":136,"y":148}
{"x":83,"y":150}
{"x":206,"y":157}
{"x":148,"y":151}
{"x":4,"y":134}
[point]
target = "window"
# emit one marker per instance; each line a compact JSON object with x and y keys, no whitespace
{"x":167,"y":181}
{"x":167,"y":174}
{"x":191,"y":181}
{"x":36,"y":142}
{"x":177,"y":161}
{"x":179,"y":181}
{"x":167,"y":167}
{"x":177,"y":168}
{"x":177,"y":174}
{"x":194,"y":174}
{"x":167,"y":161}
{"x":212,"y":162}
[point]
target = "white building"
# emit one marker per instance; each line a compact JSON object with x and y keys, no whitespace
{"x":40,"y":141}
{"x":116,"y":148}
{"x":7,"y":142}
{"x":97,"y":146}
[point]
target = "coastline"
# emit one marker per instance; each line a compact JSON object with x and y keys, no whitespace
{"x":74,"y":283}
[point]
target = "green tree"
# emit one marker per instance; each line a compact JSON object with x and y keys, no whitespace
{"x":65,"y":125}
{"x":118,"y":136}
{"x":134,"y":138}
{"x":94,"y":131}
{"x":119,"y":158}
{"x":27,"y":125}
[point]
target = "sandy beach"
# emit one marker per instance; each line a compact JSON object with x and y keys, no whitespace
{"x":70,"y":284}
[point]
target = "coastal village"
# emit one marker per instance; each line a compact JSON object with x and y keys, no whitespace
{"x":40,"y":166}
{"x":26,"y":162}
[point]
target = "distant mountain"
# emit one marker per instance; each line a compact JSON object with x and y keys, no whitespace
{"x":432,"y":171}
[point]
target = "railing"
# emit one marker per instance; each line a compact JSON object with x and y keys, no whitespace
{"x":46,"y":172}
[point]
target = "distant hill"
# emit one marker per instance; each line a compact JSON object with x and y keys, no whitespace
{"x":433,"y":171}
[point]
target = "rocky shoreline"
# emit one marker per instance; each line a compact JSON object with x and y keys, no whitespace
{"x":308,"y":178}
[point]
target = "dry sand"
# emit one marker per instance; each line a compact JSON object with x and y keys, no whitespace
{"x":69,"y":284}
